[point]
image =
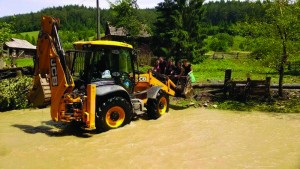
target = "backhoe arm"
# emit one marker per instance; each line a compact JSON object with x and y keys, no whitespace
{"x":50,"y":69}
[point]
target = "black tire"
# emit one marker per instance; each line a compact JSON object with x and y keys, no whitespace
{"x":114,"y":113}
{"x":159,"y":106}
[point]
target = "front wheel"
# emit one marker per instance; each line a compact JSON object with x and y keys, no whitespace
{"x":114,"y":113}
{"x":159,"y":106}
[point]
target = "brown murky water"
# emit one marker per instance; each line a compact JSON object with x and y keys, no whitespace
{"x":190,"y":138}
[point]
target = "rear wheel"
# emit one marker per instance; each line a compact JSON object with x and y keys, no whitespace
{"x":159,"y":106}
{"x":114,"y":113}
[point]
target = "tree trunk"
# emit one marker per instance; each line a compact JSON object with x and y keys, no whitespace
{"x":280,"y":83}
{"x":283,"y":35}
{"x":281,"y":69}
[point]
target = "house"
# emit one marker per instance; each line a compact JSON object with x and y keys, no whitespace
{"x":141,"y":42}
{"x":115,"y":33}
{"x":19,"y":47}
{"x":16,"y":48}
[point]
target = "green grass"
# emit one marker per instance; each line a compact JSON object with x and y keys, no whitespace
{"x":276,"y":105}
{"x":30,"y":34}
{"x":21,"y":62}
{"x":214,"y":70}
{"x":237,"y":40}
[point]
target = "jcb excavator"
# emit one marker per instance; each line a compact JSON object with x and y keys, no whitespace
{"x":96,"y":84}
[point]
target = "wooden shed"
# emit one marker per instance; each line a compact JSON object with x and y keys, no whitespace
{"x":16,"y":48}
{"x":20,"y":47}
{"x":141,"y":42}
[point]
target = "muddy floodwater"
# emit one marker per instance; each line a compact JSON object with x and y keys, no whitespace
{"x":188,"y":138}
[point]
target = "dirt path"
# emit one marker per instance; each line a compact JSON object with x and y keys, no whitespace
{"x":190,"y":138}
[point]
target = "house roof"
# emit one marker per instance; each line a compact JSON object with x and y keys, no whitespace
{"x":19,"y":44}
{"x":114,"y":31}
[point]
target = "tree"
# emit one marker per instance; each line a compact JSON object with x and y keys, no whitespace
{"x":27,"y":37}
{"x":33,"y":41}
{"x":178,"y":28}
{"x":221,"y":42}
{"x":284,"y":17}
{"x":125,"y":14}
{"x":5,"y":33}
{"x":163,"y":27}
{"x":278,"y":35}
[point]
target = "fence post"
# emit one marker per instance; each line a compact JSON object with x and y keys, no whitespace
{"x":227,"y":76}
{"x":268,"y":84}
{"x":226,"y":80}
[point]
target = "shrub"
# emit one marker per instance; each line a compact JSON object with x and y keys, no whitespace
{"x":13,"y":93}
{"x":221,"y":42}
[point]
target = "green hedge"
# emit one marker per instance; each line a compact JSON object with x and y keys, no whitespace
{"x":13,"y":93}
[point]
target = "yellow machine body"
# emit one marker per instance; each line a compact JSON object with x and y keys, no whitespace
{"x":147,"y":80}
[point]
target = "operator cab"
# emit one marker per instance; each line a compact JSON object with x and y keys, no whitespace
{"x":102,"y":63}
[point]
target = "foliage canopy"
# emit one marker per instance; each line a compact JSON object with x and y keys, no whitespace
{"x":125,"y":15}
{"x":178,"y":28}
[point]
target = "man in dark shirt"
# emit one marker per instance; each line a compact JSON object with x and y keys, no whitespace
{"x":187,"y":67}
{"x":179,"y":69}
{"x":171,"y":67}
{"x":162,"y":65}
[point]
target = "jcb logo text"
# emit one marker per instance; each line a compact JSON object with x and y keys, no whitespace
{"x":53,"y":69}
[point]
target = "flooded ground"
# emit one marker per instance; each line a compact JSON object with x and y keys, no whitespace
{"x":188,"y":138}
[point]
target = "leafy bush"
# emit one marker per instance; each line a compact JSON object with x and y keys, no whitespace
{"x":218,"y":45}
{"x":13,"y":93}
{"x":221,"y":42}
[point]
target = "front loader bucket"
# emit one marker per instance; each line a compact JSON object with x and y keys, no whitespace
{"x":40,"y":95}
{"x":183,"y":87}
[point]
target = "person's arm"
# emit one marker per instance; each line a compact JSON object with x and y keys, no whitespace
{"x":191,"y":70}
{"x":165,"y":67}
{"x":181,"y":71}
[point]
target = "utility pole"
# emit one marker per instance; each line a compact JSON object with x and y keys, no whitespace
{"x":98,"y":21}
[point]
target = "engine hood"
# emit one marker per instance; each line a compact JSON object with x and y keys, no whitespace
{"x":104,"y":82}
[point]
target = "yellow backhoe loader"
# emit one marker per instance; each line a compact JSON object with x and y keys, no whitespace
{"x":96,"y":84}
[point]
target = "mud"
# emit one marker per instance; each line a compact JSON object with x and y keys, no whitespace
{"x":187,"y":138}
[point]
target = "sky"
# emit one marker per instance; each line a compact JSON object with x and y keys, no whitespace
{"x":14,"y":7}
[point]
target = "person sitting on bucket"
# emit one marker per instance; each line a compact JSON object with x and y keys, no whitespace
{"x":179,"y":70}
{"x":188,"y":71}
{"x":171,"y":67}
{"x":156,"y":67}
{"x":162,"y":65}
{"x":187,"y":67}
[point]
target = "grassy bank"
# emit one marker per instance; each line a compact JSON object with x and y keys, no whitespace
{"x":21,"y":62}
{"x":213,"y":70}
{"x":278,"y":106}
{"x":24,"y":62}
{"x":31,"y":34}
{"x":202,"y":98}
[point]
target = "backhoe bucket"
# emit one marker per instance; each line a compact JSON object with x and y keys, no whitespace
{"x":182,"y":85}
{"x":40,"y":95}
